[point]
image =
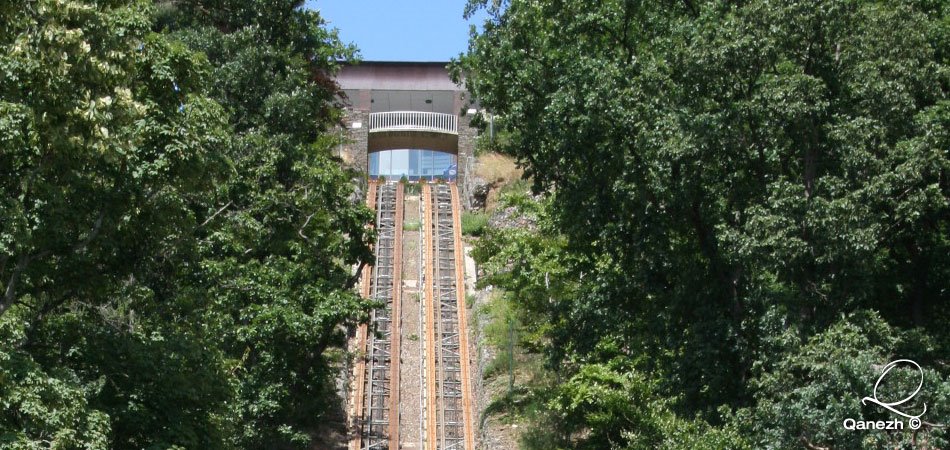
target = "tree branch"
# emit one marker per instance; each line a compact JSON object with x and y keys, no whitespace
{"x":84,"y":244}
{"x":300,"y":230}
{"x":356,"y":277}
{"x":811,"y":446}
{"x":691,"y":7}
{"x":10,"y":291}
{"x":9,"y":294}
{"x":216,"y":213}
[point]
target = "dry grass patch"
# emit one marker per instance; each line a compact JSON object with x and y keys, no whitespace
{"x":496,"y":168}
{"x":499,"y":171}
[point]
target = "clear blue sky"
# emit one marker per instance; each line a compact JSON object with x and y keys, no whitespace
{"x":400,"y":30}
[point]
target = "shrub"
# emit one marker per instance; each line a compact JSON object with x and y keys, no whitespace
{"x":474,"y":223}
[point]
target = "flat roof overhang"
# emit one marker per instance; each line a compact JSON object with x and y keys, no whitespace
{"x":418,"y":140}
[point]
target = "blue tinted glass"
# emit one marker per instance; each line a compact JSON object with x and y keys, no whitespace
{"x":413,"y":164}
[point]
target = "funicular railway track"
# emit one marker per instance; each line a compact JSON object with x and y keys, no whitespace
{"x":447,"y":391}
{"x":448,"y":423}
{"x":376,"y":393}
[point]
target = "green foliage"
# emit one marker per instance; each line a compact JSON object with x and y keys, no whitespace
{"x":614,"y":406}
{"x":109,"y":142}
{"x":413,"y":188}
{"x":610,"y":406}
{"x":176,"y":241}
{"x":469,"y":300}
{"x":516,"y":192}
{"x":288,"y":234}
{"x":50,"y":408}
{"x":497,"y":137}
{"x":805,"y":395}
{"x":474,"y":223}
{"x":722,"y":180}
{"x":498,"y":321}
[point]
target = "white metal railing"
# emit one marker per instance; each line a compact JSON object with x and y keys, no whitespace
{"x":413,"y":121}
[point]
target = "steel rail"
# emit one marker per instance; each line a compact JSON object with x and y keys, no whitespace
{"x":430,"y":391}
{"x":448,"y":416}
{"x":396,"y":307}
{"x":467,"y":412}
{"x":376,"y":422}
{"x":450,"y":391}
{"x":447,"y":401}
{"x":377,"y":408}
{"x":359,"y":372}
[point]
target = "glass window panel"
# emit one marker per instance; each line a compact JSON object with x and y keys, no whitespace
{"x":412,"y":163}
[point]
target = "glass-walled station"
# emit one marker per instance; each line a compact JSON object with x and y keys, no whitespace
{"x":412,"y":164}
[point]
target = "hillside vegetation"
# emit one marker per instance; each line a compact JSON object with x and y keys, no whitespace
{"x":744,"y":217}
{"x":176,"y":241}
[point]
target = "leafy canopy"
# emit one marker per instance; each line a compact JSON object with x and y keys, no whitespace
{"x":177,"y":240}
{"x":719,"y":174}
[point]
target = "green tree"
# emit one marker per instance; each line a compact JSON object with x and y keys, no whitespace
{"x":106,"y":143}
{"x":282,"y":236}
{"x":722,"y":172}
{"x":176,"y":240}
{"x":105,"y":135}
{"x":802,"y":398}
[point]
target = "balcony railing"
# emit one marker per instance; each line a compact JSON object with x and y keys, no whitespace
{"x":413,"y":121}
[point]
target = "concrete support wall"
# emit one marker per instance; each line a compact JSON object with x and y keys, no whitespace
{"x":467,"y":138}
{"x":354,"y":150}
